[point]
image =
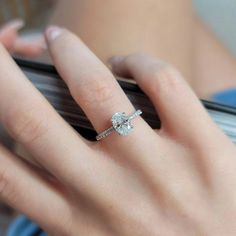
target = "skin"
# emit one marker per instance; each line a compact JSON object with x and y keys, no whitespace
{"x":214,"y":66}
{"x":163,"y":29}
{"x":172,"y":182}
{"x":15,"y":44}
{"x":173,"y":34}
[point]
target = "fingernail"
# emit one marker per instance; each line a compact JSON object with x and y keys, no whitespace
{"x":53,"y":32}
{"x":16,"y":24}
{"x":116,"y":60}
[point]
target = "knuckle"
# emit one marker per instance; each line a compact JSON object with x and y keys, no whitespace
{"x":26,"y":125}
{"x":95,"y":89}
{"x":164,"y":78}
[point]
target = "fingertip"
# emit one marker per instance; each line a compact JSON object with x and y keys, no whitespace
{"x":52,"y":32}
{"x":116,"y":59}
{"x":16,"y":24}
{"x":115,"y":63}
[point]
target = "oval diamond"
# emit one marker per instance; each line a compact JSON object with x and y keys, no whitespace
{"x":121,"y":123}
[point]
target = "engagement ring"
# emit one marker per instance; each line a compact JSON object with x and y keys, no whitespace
{"x":120,"y":123}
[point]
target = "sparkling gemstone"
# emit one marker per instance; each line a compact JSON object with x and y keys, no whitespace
{"x":121,"y":123}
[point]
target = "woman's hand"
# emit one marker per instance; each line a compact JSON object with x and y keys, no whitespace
{"x":179,"y":180}
{"x":10,"y":38}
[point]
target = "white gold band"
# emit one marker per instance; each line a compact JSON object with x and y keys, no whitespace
{"x":120,"y":123}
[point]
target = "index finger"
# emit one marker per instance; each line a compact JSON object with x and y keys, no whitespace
{"x":31,"y":120}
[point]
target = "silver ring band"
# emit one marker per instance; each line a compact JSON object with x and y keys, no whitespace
{"x":120,"y":123}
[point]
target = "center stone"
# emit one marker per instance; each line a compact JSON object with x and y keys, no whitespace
{"x":121,"y":123}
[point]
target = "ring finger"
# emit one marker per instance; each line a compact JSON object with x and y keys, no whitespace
{"x":92,"y":86}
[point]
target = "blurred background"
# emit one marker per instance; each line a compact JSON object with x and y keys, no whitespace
{"x":35,"y":13}
{"x":198,"y":37}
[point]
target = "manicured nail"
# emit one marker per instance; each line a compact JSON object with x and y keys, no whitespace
{"x":53,"y":32}
{"x":16,"y":24}
{"x":116,"y":60}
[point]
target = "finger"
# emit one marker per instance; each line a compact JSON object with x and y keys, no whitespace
{"x":183,"y":118}
{"x":178,"y":107}
{"x":30,"y":45}
{"x":8,"y":33}
{"x":23,"y":189}
{"x":92,"y":85}
{"x":31,"y":121}
{"x":100,"y":96}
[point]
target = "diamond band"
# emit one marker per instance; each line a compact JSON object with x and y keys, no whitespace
{"x":120,"y":123}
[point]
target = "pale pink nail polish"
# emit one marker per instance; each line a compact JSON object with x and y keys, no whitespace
{"x":16,"y":24}
{"x":116,"y":59}
{"x":53,"y":32}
